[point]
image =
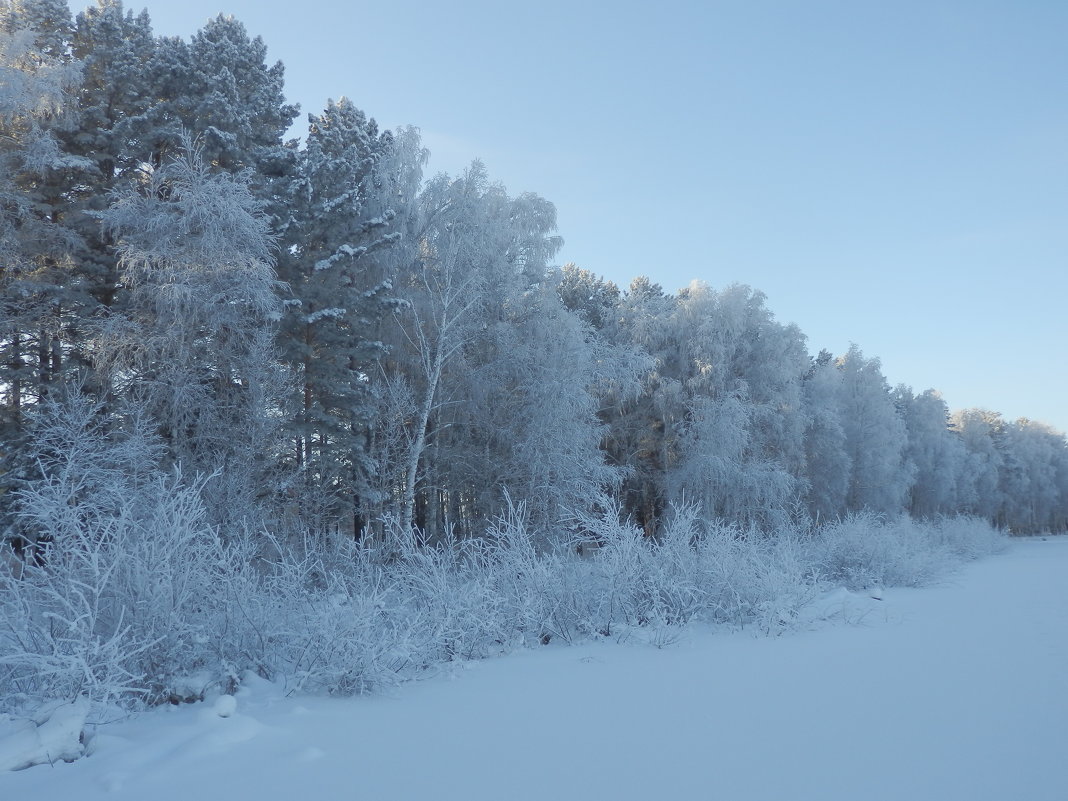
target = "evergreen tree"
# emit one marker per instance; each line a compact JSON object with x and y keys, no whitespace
{"x":40,"y":297}
{"x":239,"y":102}
{"x":113,"y":48}
{"x":593,"y":299}
{"x":341,"y":222}
{"x":48,"y":20}
{"x":219,"y":89}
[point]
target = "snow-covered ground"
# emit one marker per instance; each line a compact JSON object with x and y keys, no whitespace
{"x":954,"y":692}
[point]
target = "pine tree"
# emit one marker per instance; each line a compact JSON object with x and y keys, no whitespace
{"x":342,"y":221}
{"x":49,"y":21}
{"x":113,"y":48}
{"x":239,"y":101}
{"x":593,"y":299}
{"x":40,"y":297}
{"x":219,"y":89}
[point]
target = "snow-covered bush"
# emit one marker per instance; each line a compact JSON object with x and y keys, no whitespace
{"x":323,"y":615}
{"x":118,"y":598}
{"x":318,"y":616}
{"x":969,"y":537}
{"x":866,"y":550}
{"x":129,"y":594}
{"x":757,"y":578}
{"x":529,"y":585}
{"x":696,"y":571}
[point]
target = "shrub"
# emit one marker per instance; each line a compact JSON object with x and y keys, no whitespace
{"x":132,"y":593}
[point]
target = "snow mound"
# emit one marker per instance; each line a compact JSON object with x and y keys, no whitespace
{"x":839,"y":604}
{"x":54,"y":735}
{"x":225,"y":706}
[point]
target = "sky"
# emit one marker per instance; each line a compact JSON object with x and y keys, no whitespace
{"x":889,"y":174}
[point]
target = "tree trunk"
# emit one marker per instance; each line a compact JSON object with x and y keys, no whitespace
{"x":419,"y":444}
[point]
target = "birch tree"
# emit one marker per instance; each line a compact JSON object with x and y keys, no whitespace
{"x":450,"y":274}
{"x":644,"y":426}
{"x":827,"y":463}
{"x":195,"y":350}
{"x":876,"y":437}
{"x":934,"y":452}
{"x":741,"y":455}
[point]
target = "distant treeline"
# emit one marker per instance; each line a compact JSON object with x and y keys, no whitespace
{"x":323,"y":340}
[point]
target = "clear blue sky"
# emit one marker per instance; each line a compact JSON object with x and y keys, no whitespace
{"x":894,"y":174}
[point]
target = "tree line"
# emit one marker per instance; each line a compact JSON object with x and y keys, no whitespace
{"x":323,"y":339}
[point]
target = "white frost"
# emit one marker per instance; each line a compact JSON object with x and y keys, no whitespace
{"x":316,"y":316}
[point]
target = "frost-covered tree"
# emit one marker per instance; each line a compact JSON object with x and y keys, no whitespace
{"x":978,"y":490}
{"x":1030,"y":476}
{"x":426,"y":336}
{"x":644,"y":425}
{"x":239,"y":100}
{"x":1059,"y":520}
{"x":195,"y":350}
{"x":76,"y":275}
{"x":827,"y":463}
{"x":498,"y":376}
{"x":219,"y":87}
{"x":458,"y":245}
{"x":935,"y":453}
{"x":742,"y":453}
{"x":113,"y":47}
{"x":48,"y":20}
{"x":94,"y":155}
{"x":594,"y":299}
{"x":530,"y":420}
{"x":875,"y":437}
{"x":41,"y":300}
{"x":343,"y":215}
{"x":36,"y":81}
